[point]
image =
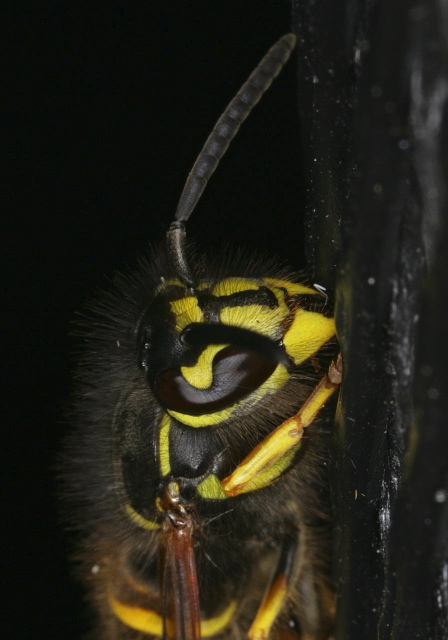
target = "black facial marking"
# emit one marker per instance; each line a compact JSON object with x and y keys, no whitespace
{"x":211,"y":305}
{"x":262,"y":296}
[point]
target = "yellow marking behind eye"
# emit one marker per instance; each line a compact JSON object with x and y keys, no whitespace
{"x":271,"y":385}
{"x":292,"y":288}
{"x":210,"y":488}
{"x":308,"y":332}
{"x":150,"y":622}
{"x":200,"y":375}
{"x":140,"y":520}
{"x":164,"y":446}
{"x":186,"y":310}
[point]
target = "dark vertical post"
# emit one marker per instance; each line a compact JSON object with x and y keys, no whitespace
{"x":374,"y":132}
{"x":325,"y":102}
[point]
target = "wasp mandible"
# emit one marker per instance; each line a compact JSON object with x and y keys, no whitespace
{"x":198,"y":465}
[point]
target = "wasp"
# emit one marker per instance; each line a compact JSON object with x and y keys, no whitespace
{"x":198,"y":466}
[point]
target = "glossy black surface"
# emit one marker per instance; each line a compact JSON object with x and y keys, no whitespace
{"x":372,"y":79}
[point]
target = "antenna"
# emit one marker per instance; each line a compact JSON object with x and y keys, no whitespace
{"x":216,"y":145}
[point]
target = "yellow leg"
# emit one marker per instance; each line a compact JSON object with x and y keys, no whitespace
{"x":275,"y":595}
{"x":282,"y":440}
{"x":269,"y":610}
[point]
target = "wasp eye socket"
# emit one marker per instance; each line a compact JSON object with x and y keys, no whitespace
{"x":236,"y":373}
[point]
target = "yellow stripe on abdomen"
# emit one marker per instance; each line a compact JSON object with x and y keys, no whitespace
{"x":150,"y":622}
{"x":139,"y":520}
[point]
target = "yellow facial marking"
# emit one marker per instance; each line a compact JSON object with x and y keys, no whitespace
{"x":206,"y":420}
{"x":211,"y":489}
{"x":186,"y":311}
{"x":258,"y":318}
{"x":200,"y":375}
{"x":255,"y":318}
{"x":164,"y":446}
{"x":271,"y":385}
{"x":140,"y":520}
{"x":235,"y":285}
{"x":150,"y":622}
{"x":308,"y":332}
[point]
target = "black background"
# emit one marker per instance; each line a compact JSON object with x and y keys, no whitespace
{"x":108,"y":105}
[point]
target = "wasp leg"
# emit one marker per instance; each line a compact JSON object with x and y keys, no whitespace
{"x":275,"y":595}
{"x":267,"y":461}
{"x":312,"y":598}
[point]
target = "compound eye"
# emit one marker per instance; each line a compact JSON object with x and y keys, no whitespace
{"x":236,"y":374}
